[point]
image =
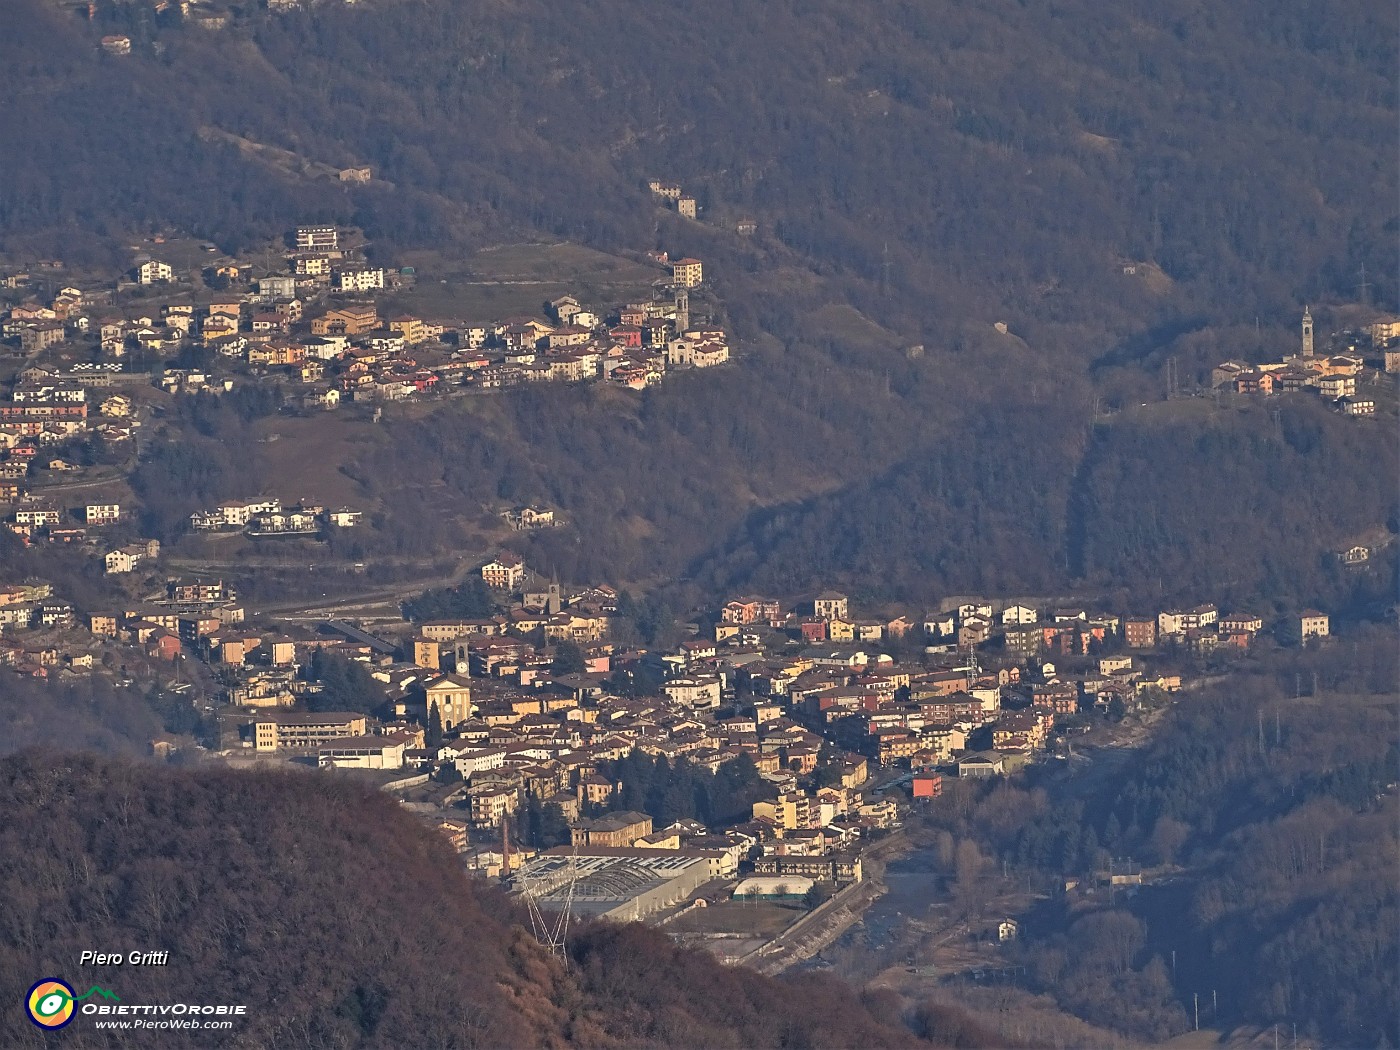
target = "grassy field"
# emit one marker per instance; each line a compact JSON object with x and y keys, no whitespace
{"x":849,"y":326}
{"x":303,"y":455}
{"x":554,"y":262}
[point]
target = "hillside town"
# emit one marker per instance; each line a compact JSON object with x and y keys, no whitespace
{"x":764,"y":755}
{"x":98,"y":361}
{"x":312,"y":326}
{"x":541,"y":747}
{"x":835,"y":526}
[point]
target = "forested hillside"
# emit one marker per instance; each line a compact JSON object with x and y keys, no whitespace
{"x":1011,"y":156}
{"x":1247,"y":506}
{"x":1236,"y":505}
{"x":340,"y":922}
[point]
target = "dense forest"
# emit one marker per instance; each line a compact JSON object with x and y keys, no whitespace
{"x":1011,"y":156}
{"x":1269,"y":818}
{"x":242,"y":878}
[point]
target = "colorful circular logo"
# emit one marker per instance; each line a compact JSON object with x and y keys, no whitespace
{"x":50,"y":1003}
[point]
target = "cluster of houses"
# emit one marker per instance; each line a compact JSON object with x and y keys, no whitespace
{"x":316,"y":325}
{"x":685,"y":204}
{"x":483,"y":718}
{"x":48,"y":410}
{"x":266,"y":516}
{"x":34,"y":518}
{"x":817,"y":715}
{"x":634,"y":345}
{"x":31,"y":605}
{"x":173,"y":622}
{"x":516,"y":733}
{"x":38,"y":518}
{"x":985,"y":693}
{"x":1332,"y":377}
{"x":163,"y":626}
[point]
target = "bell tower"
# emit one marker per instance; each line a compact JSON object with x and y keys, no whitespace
{"x":1307,"y":332}
{"x":682,"y":311}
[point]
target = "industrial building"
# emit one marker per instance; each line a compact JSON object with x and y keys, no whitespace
{"x":362,"y":752}
{"x":281,"y":730}
{"x":624,"y":888}
{"x":840,"y":868}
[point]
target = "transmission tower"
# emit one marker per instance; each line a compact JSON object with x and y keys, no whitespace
{"x":551,"y":930}
{"x":973,"y":669}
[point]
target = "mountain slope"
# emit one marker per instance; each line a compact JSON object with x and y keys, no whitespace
{"x":338,"y":921}
{"x":1009,"y":156}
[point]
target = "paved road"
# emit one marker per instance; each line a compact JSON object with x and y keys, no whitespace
{"x":74,"y":486}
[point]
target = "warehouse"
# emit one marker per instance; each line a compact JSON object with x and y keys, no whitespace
{"x":623,"y":888}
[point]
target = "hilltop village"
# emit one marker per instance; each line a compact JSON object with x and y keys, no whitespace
{"x":313,"y":327}
{"x":95,"y":361}
{"x":1340,"y":379}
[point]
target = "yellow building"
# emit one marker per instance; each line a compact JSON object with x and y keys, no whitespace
{"x":489,"y":807}
{"x":348,"y":320}
{"x":1313,"y":624}
{"x":688,"y":272}
{"x":304,"y":729}
{"x":103,"y":624}
{"x":839,"y":630}
{"x":576,"y":628}
{"x":1385,"y":330}
{"x":452,"y":696}
{"x":427,"y":653}
{"x":854,"y":771}
{"x":595,"y":789}
{"x":412,"y":329}
{"x":612,"y":829}
{"x":660,"y":840}
{"x":283,"y":651}
{"x":789,"y":811}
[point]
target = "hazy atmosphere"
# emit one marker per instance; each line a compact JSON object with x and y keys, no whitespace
{"x":702,"y":525}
